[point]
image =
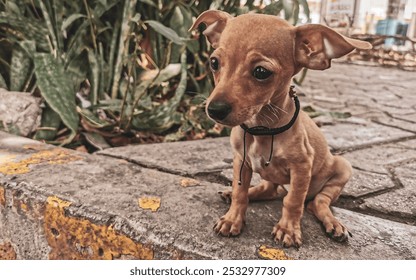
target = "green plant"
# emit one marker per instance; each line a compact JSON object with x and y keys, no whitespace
{"x":115,"y":71}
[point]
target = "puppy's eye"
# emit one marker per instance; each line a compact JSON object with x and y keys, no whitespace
{"x":214,"y":63}
{"x":261,"y":73}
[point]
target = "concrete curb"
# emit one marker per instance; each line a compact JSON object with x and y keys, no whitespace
{"x":61,"y":204}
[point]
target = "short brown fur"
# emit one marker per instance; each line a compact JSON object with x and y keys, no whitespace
{"x":301,"y":156}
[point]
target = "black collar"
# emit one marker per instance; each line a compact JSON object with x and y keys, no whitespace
{"x":262,"y":130}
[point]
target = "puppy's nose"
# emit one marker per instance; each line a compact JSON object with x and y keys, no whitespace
{"x":219,"y":110}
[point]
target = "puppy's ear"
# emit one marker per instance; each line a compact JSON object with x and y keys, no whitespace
{"x":215,"y":21}
{"x":316,"y":45}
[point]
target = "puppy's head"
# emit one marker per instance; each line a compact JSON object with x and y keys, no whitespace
{"x":256,"y":57}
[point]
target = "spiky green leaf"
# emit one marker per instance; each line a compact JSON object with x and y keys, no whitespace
{"x":164,"y":115}
{"x":149,"y":2}
{"x":94,"y":76}
{"x":19,"y":69}
{"x":2,"y":82}
{"x":92,"y":119}
{"x":56,"y":87}
{"x":70,"y":20}
{"x":305,"y":6}
{"x":20,"y":28}
{"x":12,"y":7}
{"x":77,"y":70}
{"x":128,"y":10}
{"x":103,"y":6}
{"x":165,"y":31}
{"x":50,"y":123}
{"x":96,"y":140}
{"x":273,"y":8}
{"x":295,"y":15}
{"x":288,"y":8}
{"x":156,"y":77}
{"x":49,"y":24}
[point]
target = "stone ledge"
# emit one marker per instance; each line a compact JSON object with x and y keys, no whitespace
{"x":68,"y":205}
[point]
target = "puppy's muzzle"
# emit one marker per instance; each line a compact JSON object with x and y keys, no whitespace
{"x":218,"y":110}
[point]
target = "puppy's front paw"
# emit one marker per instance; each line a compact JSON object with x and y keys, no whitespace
{"x":287,"y":233}
{"x":336,"y":230}
{"x":229,"y":225}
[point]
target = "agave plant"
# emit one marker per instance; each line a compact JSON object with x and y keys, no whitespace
{"x":114,"y":69}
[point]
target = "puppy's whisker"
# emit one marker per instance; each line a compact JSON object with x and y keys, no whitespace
{"x":263,"y":120}
{"x":278,"y":108}
{"x":273,"y":112}
{"x":269,"y":119}
{"x":276,"y":111}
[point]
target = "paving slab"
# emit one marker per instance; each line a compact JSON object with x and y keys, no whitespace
{"x":410,"y":145}
{"x":384,"y":180}
{"x":364,"y":183}
{"x":344,"y":136}
{"x":184,"y":158}
{"x":401,"y":124}
{"x":57,"y":203}
{"x":402,"y":200}
{"x":369,"y":176}
{"x":382,"y":98}
{"x":410,"y":117}
{"x":362,"y":76}
{"x":378,"y":158}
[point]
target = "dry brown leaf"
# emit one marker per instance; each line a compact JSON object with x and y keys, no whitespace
{"x":272,"y":253}
{"x":187,"y":182}
{"x":149,"y":202}
{"x":82,"y":149}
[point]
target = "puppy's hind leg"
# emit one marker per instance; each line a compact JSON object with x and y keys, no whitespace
{"x":319,"y":206}
{"x":265,"y":190}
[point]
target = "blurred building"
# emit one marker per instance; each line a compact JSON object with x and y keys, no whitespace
{"x":384,"y":17}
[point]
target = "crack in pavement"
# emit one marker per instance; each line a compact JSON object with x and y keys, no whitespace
{"x":147,"y":165}
{"x":359,"y":147}
{"x":356,"y":203}
{"x":393,"y":126}
{"x":368,"y":171}
{"x":357,"y":206}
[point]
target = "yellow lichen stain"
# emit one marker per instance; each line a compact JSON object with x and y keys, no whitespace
{"x":7,"y":252}
{"x":272,"y":253}
{"x":52,"y":156}
{"x":188,"y":182}
{"x":151,"y":203}
{"x":77,"y":238}
{"x":2,"y":196}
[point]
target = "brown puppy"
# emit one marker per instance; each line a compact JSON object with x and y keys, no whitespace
{"x":254,"y":61}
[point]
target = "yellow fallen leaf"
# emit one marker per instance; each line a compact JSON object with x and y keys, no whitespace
{"x":187,"y":182}
{"x":148,"y":202}
{"x":272,"y":253}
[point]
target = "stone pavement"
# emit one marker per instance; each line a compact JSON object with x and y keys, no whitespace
{"x":160,"y":201}
{"x":379,"y":139}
